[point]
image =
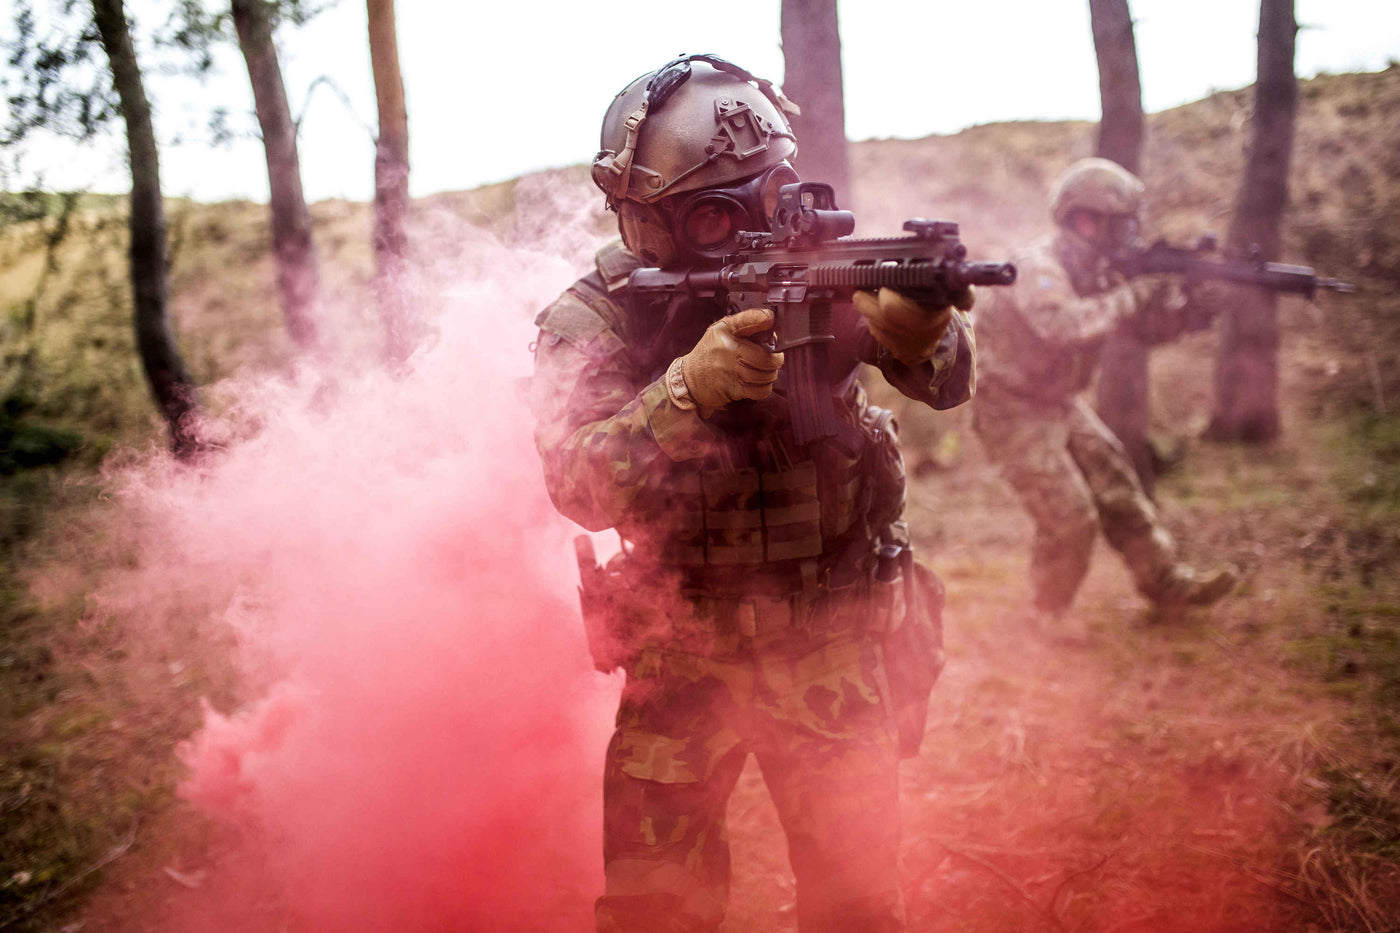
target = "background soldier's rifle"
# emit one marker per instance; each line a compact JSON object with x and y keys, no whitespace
{"x":1190,"y":262}
{"x":803,"y":266}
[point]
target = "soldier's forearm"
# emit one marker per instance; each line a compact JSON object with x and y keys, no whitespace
{"x":944,"y":382}
{"x":597,"y":472}
{"x":1086,"y":318}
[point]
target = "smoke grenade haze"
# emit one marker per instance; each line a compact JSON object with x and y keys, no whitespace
{"x":423,"y":747}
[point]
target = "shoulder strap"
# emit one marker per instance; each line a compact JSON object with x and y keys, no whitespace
{"x":616,"y":265}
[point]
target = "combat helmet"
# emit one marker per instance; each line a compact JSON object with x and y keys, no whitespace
{"x":695,"y":124}
{"x":1097,"y":185}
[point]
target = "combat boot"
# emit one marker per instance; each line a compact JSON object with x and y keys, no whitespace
{"x":1184,"y":586}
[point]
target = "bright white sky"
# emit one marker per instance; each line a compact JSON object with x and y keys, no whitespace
{"x":496,"y":90}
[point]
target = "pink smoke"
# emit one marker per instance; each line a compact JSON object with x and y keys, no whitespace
{"x":426,"y":752}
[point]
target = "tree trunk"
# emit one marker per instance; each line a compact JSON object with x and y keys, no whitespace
{"x":812,"y":80}
{"x":1122,"y":398}
{"x":298,"y":277}
{"x":391,"y":186}
{"x":1121,"y":128}
{"x":1246,"y":365}
{"x":170,"y":384}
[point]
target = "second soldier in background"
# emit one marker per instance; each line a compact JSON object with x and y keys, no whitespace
{"x":1040,"y":348}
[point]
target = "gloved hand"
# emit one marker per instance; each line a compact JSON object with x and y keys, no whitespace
{"x":1159,"y":292}
{"x":726,"y":366}
{"x":909,"y":330}
{"x":1204,"y":301}
{"x":1164,"y":308}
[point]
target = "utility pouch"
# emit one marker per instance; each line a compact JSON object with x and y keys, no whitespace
{"x":885,"y":465}
{"x":600,"y":611}
{"x":913,"y":648}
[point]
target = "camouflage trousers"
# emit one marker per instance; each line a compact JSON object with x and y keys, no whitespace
{"x":1073,"y":477}
{"x":813,"y":712}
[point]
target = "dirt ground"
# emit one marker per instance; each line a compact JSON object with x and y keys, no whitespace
{"x":1153,"y":774}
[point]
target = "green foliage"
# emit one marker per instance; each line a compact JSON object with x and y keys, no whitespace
{"x":1374,"y":442}
{"x":195,"y":26}
{"x":89,"y":715}
{"x":24,"y":446}
{"x":1351,"y":645}
{"x":31,"y":205}
{"x":56,"y":79}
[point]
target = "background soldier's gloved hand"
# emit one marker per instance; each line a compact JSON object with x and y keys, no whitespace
{"x":1204,"y":301}
{"x":726,"y":366}
{"x":1165,"y":308}
{"x":1159,"y":293}
{"x":909,"y":330}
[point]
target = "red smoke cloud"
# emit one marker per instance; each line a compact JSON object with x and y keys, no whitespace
{"x":427,"y":750}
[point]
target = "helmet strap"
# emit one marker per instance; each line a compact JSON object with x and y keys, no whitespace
{"x":622,"y":163}
{"x":661,"y":86}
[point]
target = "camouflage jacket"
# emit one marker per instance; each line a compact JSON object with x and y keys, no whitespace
{"x":618,"y":454}
{"x":1041,"y":338}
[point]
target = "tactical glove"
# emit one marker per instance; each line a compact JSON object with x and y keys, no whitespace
{"x":1165,"y":308}
{"x":1159,"y":293}
{"x":726,"y":366}
{"x":909,"y":330}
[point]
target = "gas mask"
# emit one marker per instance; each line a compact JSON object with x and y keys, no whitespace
{"x":702,"y":226}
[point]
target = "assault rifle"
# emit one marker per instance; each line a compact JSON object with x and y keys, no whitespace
{"x":803,"y":266}
{"x":1251,"y":270}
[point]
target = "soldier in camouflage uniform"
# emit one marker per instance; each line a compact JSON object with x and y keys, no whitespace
{"x":1040,"y":346}
{"x":751,"y":593}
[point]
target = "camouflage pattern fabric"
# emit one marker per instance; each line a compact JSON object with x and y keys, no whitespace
{"x":1073,"y":478}
{"x":815,"y":718}
{"x":608,"y":434}
{"x":1040,"y":343}
{"x":1041,"y":337}
{"x":796,"y":676}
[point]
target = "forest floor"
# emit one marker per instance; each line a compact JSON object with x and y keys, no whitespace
{"x":1165,"y":774}
{"x":1142,"y":773}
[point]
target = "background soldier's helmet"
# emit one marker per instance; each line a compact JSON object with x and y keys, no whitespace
{"x":698,"y":122}
{"x":1096,"y":185}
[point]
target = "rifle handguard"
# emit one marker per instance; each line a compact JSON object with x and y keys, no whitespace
{"x":800,"y":267}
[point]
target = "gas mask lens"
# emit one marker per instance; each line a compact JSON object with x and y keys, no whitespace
{"x":708,"y":222}
{"x":711,"y":221}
